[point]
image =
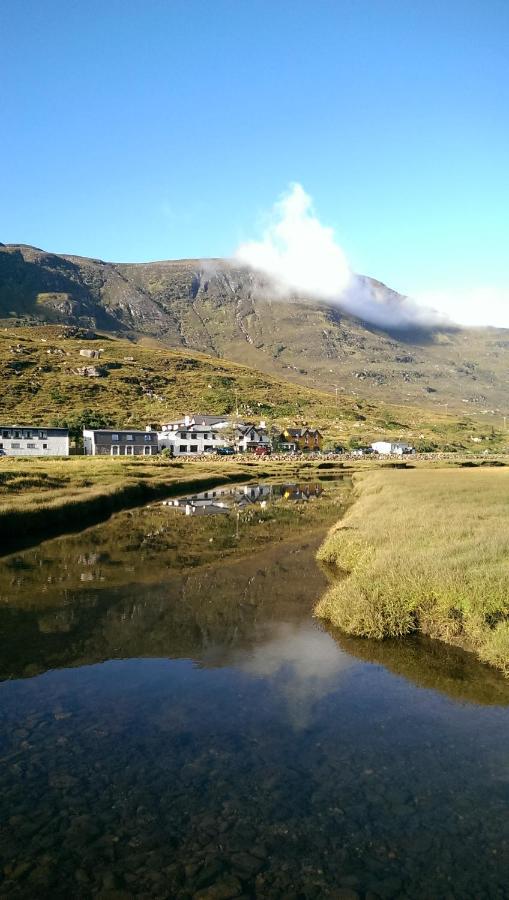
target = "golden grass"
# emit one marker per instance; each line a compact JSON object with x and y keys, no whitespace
{"x":39,"y":496}
{"x":424,"y":550}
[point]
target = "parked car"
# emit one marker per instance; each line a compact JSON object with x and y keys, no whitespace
{"x":225,"y":451}
{"x":3,"y":453}
{"x":262,"y":451}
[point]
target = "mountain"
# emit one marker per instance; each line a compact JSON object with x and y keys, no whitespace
{"x":224,"y":310}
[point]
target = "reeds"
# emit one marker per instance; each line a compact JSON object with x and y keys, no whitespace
{"x":424,"y":550}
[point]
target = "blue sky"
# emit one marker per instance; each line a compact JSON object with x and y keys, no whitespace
{"x":149,"y":129}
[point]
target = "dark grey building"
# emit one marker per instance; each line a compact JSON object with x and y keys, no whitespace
{"x":116,"y":442}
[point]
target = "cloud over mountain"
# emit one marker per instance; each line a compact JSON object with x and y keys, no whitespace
{"x":301,"y":256}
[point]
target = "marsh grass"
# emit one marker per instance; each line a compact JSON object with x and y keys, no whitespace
{"x":43,"y":497}
{"x":424,"y":550}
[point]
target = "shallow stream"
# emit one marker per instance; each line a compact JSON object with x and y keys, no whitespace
{"x":174,"y":723}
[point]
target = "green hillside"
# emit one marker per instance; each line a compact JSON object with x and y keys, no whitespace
{"x":43,"y":381}
{"x":218,"y":308}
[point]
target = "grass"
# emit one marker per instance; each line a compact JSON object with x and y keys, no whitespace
{"x":146,"y":382}
{"x":424,"y":550}
{"x":135,"y":546}
{"x":40,"y":497}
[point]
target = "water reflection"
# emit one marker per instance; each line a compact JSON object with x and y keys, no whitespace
{"x":223,"y":500}
{"x":173,"y":723}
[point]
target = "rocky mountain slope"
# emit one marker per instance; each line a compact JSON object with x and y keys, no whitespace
{"x":228,"y":311}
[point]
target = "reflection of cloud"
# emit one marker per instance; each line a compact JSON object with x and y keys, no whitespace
{"x":303,"y":662}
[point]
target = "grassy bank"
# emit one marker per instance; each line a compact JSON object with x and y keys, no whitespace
{"x":424,"y":550}
{"x":44,"y":497}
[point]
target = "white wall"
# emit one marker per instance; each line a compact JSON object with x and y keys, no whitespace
{"x":197,"y":439}
{"x":48,"y":446}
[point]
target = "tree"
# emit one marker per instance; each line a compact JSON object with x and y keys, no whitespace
{"x":87,"y":418}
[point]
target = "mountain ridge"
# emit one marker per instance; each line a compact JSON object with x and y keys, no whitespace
{"x":226,"y":310}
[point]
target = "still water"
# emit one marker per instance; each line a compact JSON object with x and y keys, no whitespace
{"x":175,"y":724}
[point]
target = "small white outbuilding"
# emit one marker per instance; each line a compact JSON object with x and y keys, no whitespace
{"x":391,"y":448}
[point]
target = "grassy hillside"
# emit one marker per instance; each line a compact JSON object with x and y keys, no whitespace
{"x":226,"y":311}
{"x":424,"y":550}
{"x":145,"y":382}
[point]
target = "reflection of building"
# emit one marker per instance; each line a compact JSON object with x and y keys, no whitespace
{"x":301,"y":491}
{"x":114,"y":442}
{"x":223,"y":500}
{"x":16,"y":440}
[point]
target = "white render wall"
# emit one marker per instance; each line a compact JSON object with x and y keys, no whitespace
{"x":35,"y":445}
{"x":192,"y":438}
{"x":254,"y":436}
{"x":387,"y":447}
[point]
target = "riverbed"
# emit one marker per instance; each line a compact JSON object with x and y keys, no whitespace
{"x":174,"y":723}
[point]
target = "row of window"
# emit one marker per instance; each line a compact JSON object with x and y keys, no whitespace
{"x":17,"y":446}
{"x":205,"y":435}
{"x":130,"y":437}
{"x":23,"y":433}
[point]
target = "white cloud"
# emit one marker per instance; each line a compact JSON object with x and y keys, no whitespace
{"x":297,"y":252}
{"x":488,"y":305}
{"x":301,"y":256}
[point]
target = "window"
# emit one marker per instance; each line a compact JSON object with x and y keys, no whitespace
{"x":206,"y":436}
{"x":208,"y":447}
{"x":1,"y":446}
{"x":129,"y":451}
{"x":147,"y":451}
{"x":148,"y":437}
{"x":182,"y":448}
{"x":252,"y":436}
{"x":129,"y":437}
{"x":31,"y":446}
{"x":17,"y":434}
{"x":114,"y":437}
{"x":15,"y":446}
{"x":115,"y":450}
{"x":43,"y":434}
{"x":193,"y":448}
{"x":44,"y":446}
{"x":6,"y":433}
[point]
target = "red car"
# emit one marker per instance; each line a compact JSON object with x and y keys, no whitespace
{"x":262,"y":451}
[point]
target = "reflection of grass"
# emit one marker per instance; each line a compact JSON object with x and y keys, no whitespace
{"x":432,"y":665}
{"x":425,"y":550}
{"x":150,"y":544}
{"x":40,"y":495}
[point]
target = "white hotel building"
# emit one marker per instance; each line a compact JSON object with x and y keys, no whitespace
{"x":36,"y":440}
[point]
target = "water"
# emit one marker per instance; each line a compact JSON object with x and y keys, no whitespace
{"x":174,"y":723}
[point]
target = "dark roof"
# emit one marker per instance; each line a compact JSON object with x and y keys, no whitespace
{"x":300,"y":432}
{"x":120,"y":431}
{"x":208,"y":420}
{"x":34,"y":428}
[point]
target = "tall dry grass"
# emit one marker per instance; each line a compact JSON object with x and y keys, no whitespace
{"x":424,"y":550}
{"x":39,"y":497}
